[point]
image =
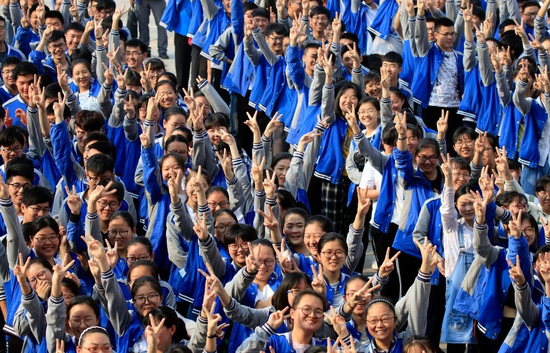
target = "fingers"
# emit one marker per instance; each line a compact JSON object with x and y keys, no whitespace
{"x":395,"y":256}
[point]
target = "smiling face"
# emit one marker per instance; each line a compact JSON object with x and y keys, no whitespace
{"x":544,"y":198}
{"x":397,"y":102}
{"x":465,"y":206}
{"x":348,"y":100}
{"x":373,"y":89}
{"x":351,"y":288}
{"x":45,"y":243}
{"x":464,"y":147}
{"x":266,"y":257}
{"x":238,"y":251}
{"x":427,"y":160}
{"x":445,"y":37}
{"x":333,"y":256}
{"x":80,"y":318}
{"x":312,"y":235}
{"x":120,"y":233}
{"x":191,"y":190}
{"x":368,"y":115}
{"x":146,"y":299}
{"x":37,"y":273}
{"x":529,"y":231}
{"x":308,"y":324}
{"x":381,"y":322}
{"x":95,"y":341}
{"x":7,"y":75}
{"x":294,"y":229}
{"x":221,"y":224}
{"x":280,"y":169}
{"x":167,"y":96}
{"x":82,"y":76}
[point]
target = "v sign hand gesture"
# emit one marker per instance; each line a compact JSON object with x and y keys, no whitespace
{"x":515,"y":272}
{"x":388,"y":265}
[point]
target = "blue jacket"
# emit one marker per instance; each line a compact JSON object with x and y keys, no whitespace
{"x":420,"y":190}
{"x":470,"y":106}
{"x":330,"y":160}
{"x":239,"y":76}
{"x":386,"y":200}
{"x":489,"y":117}
{"x":217,"y":26}
{"x":177,"y":16}
{"x":24,"y":37}
{"x":534,"y":124}
{"x":45,"y":64}
{"x":12,"y":105}
{"x":427,"y":70}
{"x":382,"y":26}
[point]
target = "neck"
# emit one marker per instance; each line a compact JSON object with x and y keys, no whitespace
{"x":261,"y":284}
{"x":431,"y":175}
{"x":319,"y":36}
{"x":309,"y":72}
{"x":104,"y":226}
{"x":383,"y":344}
{"x":332,"y":277}
{"x":300,"y":336}
{"x":18,"y":209}
{"x":394,"y":82}
{"x":62,"y":61}
{"x":192,"y":204}
{"x":360,"y":322}
{"x":12,"y":89}
{"x":301,"y":248}
{"x":3,"y":46}
{"x":122,"y":253}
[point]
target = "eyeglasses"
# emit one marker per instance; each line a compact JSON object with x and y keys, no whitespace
{"x":222,"y":204}
{"x":98,"y":179}
{"x":294,"y":292}
{"x":340,"y":254}
{"x":412,"y":139}
{"x":156,"y":72}
{"x":368,"y":111}
{"x":461,"y":143}
{"x":521,"y":206}
{"x":222,"y":227}
{"x":39,"y":276}
{"x":461,"y":176}
{"x":132,"y":259}
{"x":133,"y":53}
{"x":112,"y":204}
{"x":2,"y":28}
{"x":528,"y":230}
{"x":68,"y":297}
{"x":277,"y":39}
{"x":11,"y":150}
{"x":383,"y":320}
{"x":153,"y":297}
{"x":44,"y":211}
{"x":267,"y":262}
{"x":530,"y":14}
{"x":307,"y":310}
{"x":452,"y":34}
{"x":7,"y":71}
{"x":118,"y":234}
{"x":17,"y":186}
{"x":59,"y":46}
{"x":44,"y":240}
{"x":76,"y":322}
{"x":182,"y":152}
{"x":320,"y":18}
{"x":97,"y":349}
{"x":422,"y":158}
{"x":236,"y":247}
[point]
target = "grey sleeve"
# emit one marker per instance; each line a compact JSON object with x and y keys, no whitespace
{"x":527,"y":309}
{"x":355,"y":247}
{"x":36,"y":140}
{"x":259,"y":202}
{"x":469,"y":59}
{"x":203,"y":154}
{"x":259,"y":38}
{"x":15,"y":240}
{"x":450,"y":9}
{"x":210,"y":9}
{"x":376,"y":158}
{"x":131,"y":132}
{"x":64,"y":9}
{"x":411,"y":25}
{"x":328,"y":103}
{"x":540,"y":28}
{"x":176,"y":254}
{"x":35,"y":315}
{"x":252,"y":53}
{"x":116,"y":119}
{"x":358,"y":78}
{"x":55,"y":315}
{"x":503,"y":89}
{"x":543,"y":59}
{"x":422,"y":43}
{"x":485,"y":70}
{"x":247,"y":316}
{"x":210,"y":253}
{"x":487,"y":252}
{"x":117,"y":311}
{"x":217,"y":50}
{"x":422,"y":227}
{"x":198,"y":340}
{"x":236,"y":288}
{"x":214,"y":98}
{"x":92,"y":226}
{"x":16,"y":15}
{"x":104,"y":100}
{"x":386,"y":114}
{"x":257,"y":341}
{"x":519,"y":99}
{"x":316,"y":89}
{"x":336,"y":48}
{"x":101,"y":58}
{"x":459,"y":29}
{"x":354,"y":174}
{"x":5,"y":273}
{"x":513,"y":10}
{"x":411,"y":308}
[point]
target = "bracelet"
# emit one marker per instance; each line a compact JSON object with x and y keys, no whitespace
{"x":213,"y":336}
{"x":401,"y":139}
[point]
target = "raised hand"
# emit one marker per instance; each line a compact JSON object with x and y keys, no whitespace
{"x":388,"y":265}
{"x":318,"y":280}
{"x":363,"y":295}
{"x":269,"y":184}
{"x":480,"y":207}
{"x":152,"y":331}
{"x":307,"y":139}
{"x":487,"y":185}
{"x":277,"y":318}
{"x":62,"y":78}
{"x":152,"y":108}
{"x":286,"y":261}
{"x":129,"y":107}
{"x":109,"y":74}
{"x":146,"y":78}
{"x":4,"y":192}
{"x":515,"y":272}
{"x":269,"y":219}
{"x":351,"y":118}
{"x":252,"y":123}
{"x":514,"y":227}
{"x":59,"y":346}
{"x":196,"y":183}
{"x":252,"y":261}
{"x":174,"y":185}
{"x":144,"y":137}
{"x":121,"y":79}
{"x":363,"y":202}
{"x":20,"y":270}
{"x":447,"y":169}
{"x":95,"y":248}
{"x":257,"y":171}
{"x":112,"y":254}
{"x":429,"y":258}
{"x":400,"y":121}
{"x":338,"y":323}
{"x":443,"y":124}
{"x":200,"y":228}
{"x":273,"y":125}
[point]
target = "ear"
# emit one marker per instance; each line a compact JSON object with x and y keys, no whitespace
{"x":153,"y":257}
{"x":23,"y":208}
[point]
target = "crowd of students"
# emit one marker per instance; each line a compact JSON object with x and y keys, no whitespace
{"x":228,"y":206}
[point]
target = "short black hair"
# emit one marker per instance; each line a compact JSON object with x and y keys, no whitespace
{"x":96,"y":136}
{"x":260,"y":12}
{"x":36,"y":195}
{"x":55,"y":14}
{"x":156,"y":64}
{"x":276,"y":28}
{"x":464,"y":130}
{"x":393,"y":57}
{"x":10,"y":61}
{"x":75,"y":26}
{"x":217,"y":119}
{"x":174,"y":111}
{"x":89,"y":120}
{"x":238,"y":230}
{"x":25,"y":68}
{"x":351,"y":36}
{"x":20,"y":166}
{"x":443,"y":22}
{"x":116,"y":185}
{"x":133,"y":43}
{"x":529,"y":4}
{"x":100,"y":163}
{"x":66,"y":111}
{"x":57,"y":35}
{"x":43,"y":222}
{"x":81,"y":54}
{"x":479,"y":12}
{"x":105,"y":147}
{"x":143,"y":241}
{"x":11,"y":135}
{"x":52,"y":91}
{"x":320,"y":10}
{"x":542,"y":183}
{"x":177,"y":138}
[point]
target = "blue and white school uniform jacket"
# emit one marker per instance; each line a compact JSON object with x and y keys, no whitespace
{"x":216,"y":26}
{"x":177,"y":16}
{"x":426,"y":73}
{"x":24,"y":37}
{"x":45,"y":63}
{"x":14,"y":52}
{"x":382,"y":26}
{"x":5,"y":94}
{"x":358,"y":23}
{"x":12,"y":105}
{"x":420,"y":190}
{"x":470,"y":105}
{"x":386,"y":201}
{"x":240,"y":74}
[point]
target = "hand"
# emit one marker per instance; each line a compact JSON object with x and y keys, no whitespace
{"x":25,"y":22}
{"x":442,"y":125}
{"x":447,"y":169}
{"x":307,"y":139}
{"x":524,"y":70}
{"x":20,"y":270}
{"x":59,"y":271}
{"x":225,"y":161}
{"x":73,"y":10}
{"x":286,"y":261}
{"x":174,"y":185}
{"x":145,"y":80}
{"x":351,"y":118}
{"x":488,"y":25}
{"x":95,"y":248}
{"x":98,"y":29}
{"x":277,"y":318}
{"x":515,"y":272}
{"x":337,"y":23}
{"x":129,"y":107}
{"x":535,"y":43}
{"x":363,"y":295}
{"x":306,"y":7}
{"x":502,"y":164}
{"x":95,"y":270}
{"x":269,"y":219}
{"x":363,"y":202}
{"x":100,"y":192}
{"x":252,"y":123}
{"x":520,"y":31}
{"x":4,"y":192}
{"x":152,"y":108}
{"x":109,"y":75}
{"x":112,"y":56}
{"x":252,"y":262}
{"x":487,"y":185}
{"x":73,"y":201}
{"x":496,"y":63}
{"x":514,"y":227}
{"x":506,"y":57}
{"x":421,"y":7}
{"x":429,"y":259}
{"x":388,"y":266}
{"x":213,"y":319}
{"x":200,"y":228}
{"x":59,"y":346}
{"x":355,"y":57}
{"x":43,"y":289}
{"x":212,"y":281}
{"x":543,"y":264}
{"x":119,"y":12}
{"x":112,"y":254}
{"x":542,"y":79}
{"x":196,"y":182}
{"x":152,"y":331}
{"x":318,"y":280}
{"x":39,"y":98}
{"x":273,"y":125}
{"x":189,"y":99}
{"x":62,"y":78}
{"x":468,"y":13}
{"x":257,"y":171}
{"x":21,"y":115}
{"x":409,"y":6}
{"x":40,"y":12}
{"x":326,"y":63}
{"x":269,"y":184}
{"x":480,"y":207}
{"x":144,"y":137}
{"x":121,"y":79}
{"x":338,"y":323}
{"x":480,"y":143}
{"x":400,"y":121}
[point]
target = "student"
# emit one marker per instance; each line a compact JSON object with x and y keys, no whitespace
{"x":9,"y":88}
{"x":55,"y":41}
{"x":23,"y":75}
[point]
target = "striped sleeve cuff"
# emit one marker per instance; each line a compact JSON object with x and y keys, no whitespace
{"x":421,"y":18}
{"x":268,"y":329}
{"x":424,"y":277}
{"x":201,"y":84}
{"x":237,"y":161}
{"x":319,"y":126}
{"x":259,"y":193}
{"x":520,"y":288}
{"x":480,"y":226}
{"x":206,"y":243}
{"x":386,"y":100}
{"x":522,"y":83}
{"x":56,"y":300}
{"x":115,"y":32}
{"x":299,"y":155}
{"x":257,"y":146}
{"x":500,"y":75}
{"x":92,"y":216}
{"x":271,"y":202}
{"x":122,"y":92}
{"x":329,"y":86}
{"x":203,"y":208}
{"x":28,"y":297}
{"x":266,"y":139}
{"x":107,"y":274}
{"x":232,"y":181}
{"x":202,"y":320}
{"x":482,"y":45}
{"x":412,"y":19}
{"x":71,"y":97}
{"x":200,"y":134}
{"x":347,"y":340}
{"x":319,"y":67}
{"x":358,"y":136}
{"x":231,"y":305}
{"x":177,"y":206}
{"x":100,"y":48}
{"x":469,"y":44}
{"x":249,"y":275}
{"x":357,"y":70}
{"x":335,"y":46}
{"x":380,"y":280}
{"x":506,"y":216}
{"x":32,"y":110}
{"x":107,"y":86}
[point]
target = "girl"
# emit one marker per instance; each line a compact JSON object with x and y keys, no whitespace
{"x":85,"y":85}
{"x":94,"y":338}
{"x":169,"y":329}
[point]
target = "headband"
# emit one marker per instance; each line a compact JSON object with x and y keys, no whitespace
{"x":88,"y":329}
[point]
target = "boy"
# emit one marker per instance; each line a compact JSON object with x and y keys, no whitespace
{"x":23,"y":75}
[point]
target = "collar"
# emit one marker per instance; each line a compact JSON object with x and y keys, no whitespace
{"x":390,"y":348}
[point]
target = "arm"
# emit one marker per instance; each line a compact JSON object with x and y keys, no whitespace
{"x":422,"y":43}
{"x":316,"y":89}
{"x":520,"y":101}
{"x":270,"y":56}
{"x":527,"y":309}
{"x":213,"y":97}
{"x":15,"y":241}
{"x":487,"y":252}
{"x":487,"y":75}
{"x":34,"y":315}
{"x":236,"y":288}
